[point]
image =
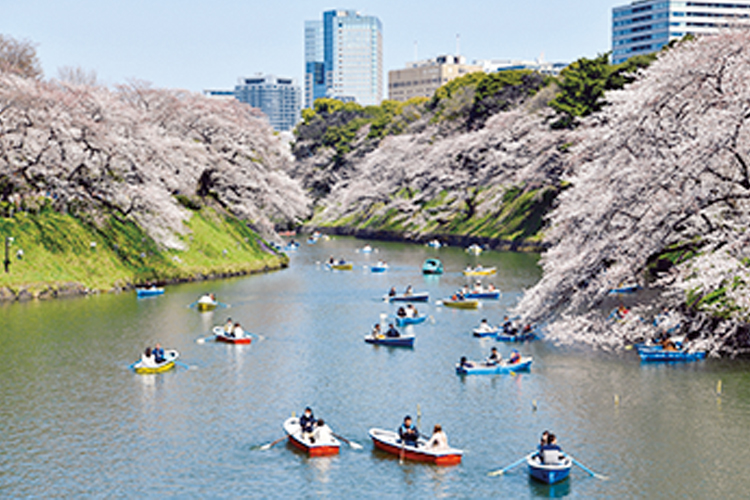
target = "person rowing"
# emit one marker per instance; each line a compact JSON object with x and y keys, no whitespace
{"x":229,"y":326}
{"x":484,"y":326}
{"x":307,"y":423}
{"x":392,"y":292}
{"x":409,"y":290}
{"x":392,"y":332}
{"x":158,"y":353}
{"x":376,"y":333}
{"x":411,"y":311}
{"x":494,"y":358}
{"x":408,"y":432}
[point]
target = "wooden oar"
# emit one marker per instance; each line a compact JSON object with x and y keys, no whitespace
{"x":354,"y":445}
{"x":268,"y":446}
{"x":592,"y":473}
{"x":502,"y":471}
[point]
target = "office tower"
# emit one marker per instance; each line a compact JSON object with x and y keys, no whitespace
{"x":279,"y":98}
{"x":344,"y":56}
{"x":423,"y":78}
{"x":645,"y":26}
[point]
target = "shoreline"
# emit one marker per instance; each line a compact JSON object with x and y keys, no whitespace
{"x":450,"y":239}
{"x":48,"y":291}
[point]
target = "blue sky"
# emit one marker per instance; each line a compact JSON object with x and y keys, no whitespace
{"x":197,"y":45}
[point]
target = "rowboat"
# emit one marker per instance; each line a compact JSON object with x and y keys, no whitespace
{"x":389,"y":441}
{"x":149,"y":292}
{"x":515,"y":337}
{"x":379,"y":267}
{"x":170,"y":356}
{"x":549,"y":473}
{"x":625,"y":289}
{"x":475,"y":249}
{"x":488,"y":294}
{"x":481,"y":368}
{"x":402,"y":341}
{"x":410,"y":321}
{"x":412,"y":297}
{"x":341,"y":266}
{"x":312,"y":241}
{"x":461,"y":304}
{"x":321,"y":448}
{"x":434,"y":244}
{"x":366,"y":249}
{"x":432,"y":266}
{"x":480,"y":271}
{"x":658,"y":353}
{"x":206,"y":303}
{"x":485,"y":332}
{"x":220,"y":335}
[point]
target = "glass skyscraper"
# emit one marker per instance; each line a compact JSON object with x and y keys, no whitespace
{"x":645,"y":26}
{"x":344,"y":58}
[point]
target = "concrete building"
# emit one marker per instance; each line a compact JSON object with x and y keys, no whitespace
{"x":423,"y":78}
{"x":645,"y":26}
{"x":344,"y":58}
{"x":279,"y":98}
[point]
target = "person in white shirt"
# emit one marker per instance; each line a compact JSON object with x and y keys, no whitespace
{"x":238,"y":332}
{"x":147,"y":358}
{"x":438,"y":441}
{"x":322,"y":434}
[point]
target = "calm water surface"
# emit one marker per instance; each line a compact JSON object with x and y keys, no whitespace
{"x":76,"y":422}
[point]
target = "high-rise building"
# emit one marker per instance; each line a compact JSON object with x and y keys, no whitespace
{"x":645,"y":26}
{"x":344,"y":58}
{"x":279,"y":98}
{"x":423,"y":78}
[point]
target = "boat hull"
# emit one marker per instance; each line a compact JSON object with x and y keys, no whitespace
{"x":220,"y":335}
{"x":206,"y":306}
{"x":169,"y":363}
{"x":482,"y":369}
{"x":432,"y":266}
{"x":410,"y":321}
{"x":379,"y":269}
{"x":549,"y":474}
{"x":519,"y":337}
{"x":481,"y":272}
{"x":483,"y":295}
{"x":461,"y":304}
{"x":414,"y":297}
{"x":654,"y":354}
{"x":402,"y":341}
{"x":149,"y":292}
{"x":388,"y":441}
{"x":294,"y":435}
{"x":477,"y":332}
{"x":341,"y":267}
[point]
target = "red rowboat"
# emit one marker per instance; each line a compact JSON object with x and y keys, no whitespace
{"x":221,"y":336}
{"x":323,"y":447}
{"x":389,"y":441}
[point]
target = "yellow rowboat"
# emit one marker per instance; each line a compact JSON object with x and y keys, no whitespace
{"x":206,"y":303}
{"x":170,"y":357}
{"x":347,"y":266}
{"x":480,"y":271}
{"x":461,"y":304}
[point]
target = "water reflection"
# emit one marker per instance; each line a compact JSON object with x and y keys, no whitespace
{"x":542,"y":490}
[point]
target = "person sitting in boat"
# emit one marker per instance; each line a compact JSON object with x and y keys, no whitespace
{"x":409,"y":290}
{"x":322,"y":433}
{"x":465,"y":290}
{"x":468,"y":268}
{"x":237,"y":331}
{"x":551,"y":453}
{"x":478,"y":287}
{"x":484,"y":326}
{"x":494,"y":358}
{"x":465,"y":363}
{"x":515,"y":357}
{"x":411,"y":311}
{"x":408,"y":432}
{"x":527,"y":329}
{"x":392,"y":292}
{"x":331,"y":260}
{"x":212,"y":297}
{"x":392,"y":332}
{"x":668,"y":345}
{"x":491,"y":287}
{"x":307,"y":423}
{"x":376,"y":333}
{"x":401,"y":313}
{"x":228,"y":326}
{"x":158,"y":353}
{"x":147,"y":358}
{"x":438,"y":441}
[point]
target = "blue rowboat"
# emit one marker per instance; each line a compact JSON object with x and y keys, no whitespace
{"x":481,"y":368}
{"x":549,"y":473}
{"x":402,"y":341}
{"x":149,"y":292}
{"x":379,"y":268}
{"x":412,"y":297}
{"x":432,"y":266}
{"x":624,"y":290}
{"x":515,"y":337}
{"x":494,"y":294}
{"x":658,"y":354}
{"x":410,"y":321}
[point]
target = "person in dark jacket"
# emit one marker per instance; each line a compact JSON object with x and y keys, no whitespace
{"x":307,"y":423}
{"x":408,"y":432}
